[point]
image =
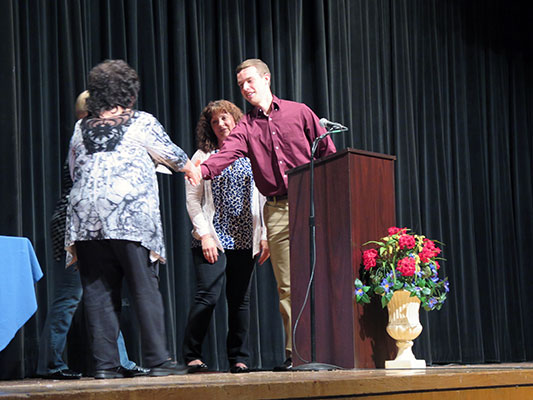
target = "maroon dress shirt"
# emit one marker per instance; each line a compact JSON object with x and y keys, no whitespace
{"x":274,"y":144}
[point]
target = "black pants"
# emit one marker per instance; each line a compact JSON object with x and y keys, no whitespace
{"x":103,"y":264}
{"x":236,"y":266}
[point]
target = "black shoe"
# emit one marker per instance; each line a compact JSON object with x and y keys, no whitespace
{"x":197,"y":368}
{"x":64,"y":374}
{"x":135,"y":371}
{"x":168,"y":368}
{"x":286,"y":366}
{"x":239,"y":370}
{"x":120,"y":372}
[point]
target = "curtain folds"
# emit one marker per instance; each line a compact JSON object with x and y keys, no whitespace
{"x":447,"y":87}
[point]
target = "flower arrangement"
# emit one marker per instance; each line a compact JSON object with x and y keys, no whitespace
{"x":402,"y":260}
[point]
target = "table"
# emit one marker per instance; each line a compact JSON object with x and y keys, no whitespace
{"x":19,"y":270}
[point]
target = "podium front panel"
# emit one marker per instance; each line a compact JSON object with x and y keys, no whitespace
{"x":354,"y":202}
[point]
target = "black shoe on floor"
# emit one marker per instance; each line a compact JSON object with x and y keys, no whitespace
{"x":168,"y":368}
{"x":136,"y":371}
{"x":238,"y":370}
{"x":64,"y":374}
{"x":120,"y":372}
{"x":197,"y":368}
{"x":286,"y":366}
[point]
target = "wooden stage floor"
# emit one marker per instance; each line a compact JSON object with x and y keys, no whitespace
{"x":487,"y":382}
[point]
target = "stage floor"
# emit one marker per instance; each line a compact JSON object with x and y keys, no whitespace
{"x":500,"y":381}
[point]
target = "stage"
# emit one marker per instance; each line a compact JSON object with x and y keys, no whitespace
{"x":487,"y":382}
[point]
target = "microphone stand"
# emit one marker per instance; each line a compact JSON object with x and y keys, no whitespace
{"x":313,"y":365}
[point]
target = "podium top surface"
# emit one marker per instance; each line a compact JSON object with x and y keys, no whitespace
{"x":340,"y":154}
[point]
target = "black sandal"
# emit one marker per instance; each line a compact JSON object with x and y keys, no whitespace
{"x":239,"y":370}
{"x":197,"y":368}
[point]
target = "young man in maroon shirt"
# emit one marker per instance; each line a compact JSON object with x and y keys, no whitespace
{"x":276,"y":135}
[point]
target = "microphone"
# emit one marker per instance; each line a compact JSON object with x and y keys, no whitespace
{"x":324,"y":123}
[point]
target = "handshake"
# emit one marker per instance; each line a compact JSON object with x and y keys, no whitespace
{"x":193,"y":172}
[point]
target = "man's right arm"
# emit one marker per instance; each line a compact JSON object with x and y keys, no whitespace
{"x":234,"y":147}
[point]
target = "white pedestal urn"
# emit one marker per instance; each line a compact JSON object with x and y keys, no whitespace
{"x":404,"y":326}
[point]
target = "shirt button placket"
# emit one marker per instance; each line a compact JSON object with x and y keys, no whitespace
{"x":276,"y":147}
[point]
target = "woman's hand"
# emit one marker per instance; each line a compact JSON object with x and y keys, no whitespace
{"x":209,"y":248}
{"x":265,"y":252}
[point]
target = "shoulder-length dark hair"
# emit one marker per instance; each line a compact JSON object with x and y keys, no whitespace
{"x":206,"y":138}
{"x":111,"y":83}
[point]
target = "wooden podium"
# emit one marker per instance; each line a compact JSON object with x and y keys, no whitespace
{"x":354,"y":203}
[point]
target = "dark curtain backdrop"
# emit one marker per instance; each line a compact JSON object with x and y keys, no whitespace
{"x":446,"y":86}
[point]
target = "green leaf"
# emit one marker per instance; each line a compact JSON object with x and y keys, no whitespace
{"x":365,"y":299}
{"x":397,"y":285}
{"x":372,"y":242}
{"x":386,"y":298}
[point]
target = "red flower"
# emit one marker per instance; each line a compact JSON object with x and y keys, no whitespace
{"x":407,"y":266}
{"x":429,"y":251}
{"x":428,"y":244}
{"x":406,"y":241}
{"x":369,"y":258}
{"x":393,"y":230}
{"x":425,"y":256}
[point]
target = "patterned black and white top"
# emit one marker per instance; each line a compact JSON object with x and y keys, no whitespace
{"x":115,"y":193}
{"x":232,"y":198}
{"x":238,"y":194}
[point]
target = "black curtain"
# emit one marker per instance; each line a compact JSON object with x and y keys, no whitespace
{"x":446,"y":86}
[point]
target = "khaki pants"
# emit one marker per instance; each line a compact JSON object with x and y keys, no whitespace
{"x":277,"y":223}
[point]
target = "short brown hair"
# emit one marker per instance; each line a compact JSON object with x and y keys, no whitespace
{"x":261,"y":67}
{"x":206,"y":138}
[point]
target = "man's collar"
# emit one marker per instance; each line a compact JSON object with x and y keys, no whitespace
{"x":275,"y":106}
{"x":275,"y":103}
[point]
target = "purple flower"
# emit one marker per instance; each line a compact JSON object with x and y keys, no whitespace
{"x":433,"y":267}
{"x":385,"y":284}
{"x":432,"y":302}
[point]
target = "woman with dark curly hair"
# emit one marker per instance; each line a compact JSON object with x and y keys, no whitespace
{"x":228,"y":233}
{"x":113,"y":223}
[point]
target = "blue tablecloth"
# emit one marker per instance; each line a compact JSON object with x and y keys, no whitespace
{"x":19,"y":270}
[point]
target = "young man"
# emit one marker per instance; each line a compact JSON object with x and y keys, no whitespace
{"x":276,"y":135}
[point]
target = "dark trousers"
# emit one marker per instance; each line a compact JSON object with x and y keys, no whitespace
{"x":236,"y":267}
{"x":103,"y":264}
